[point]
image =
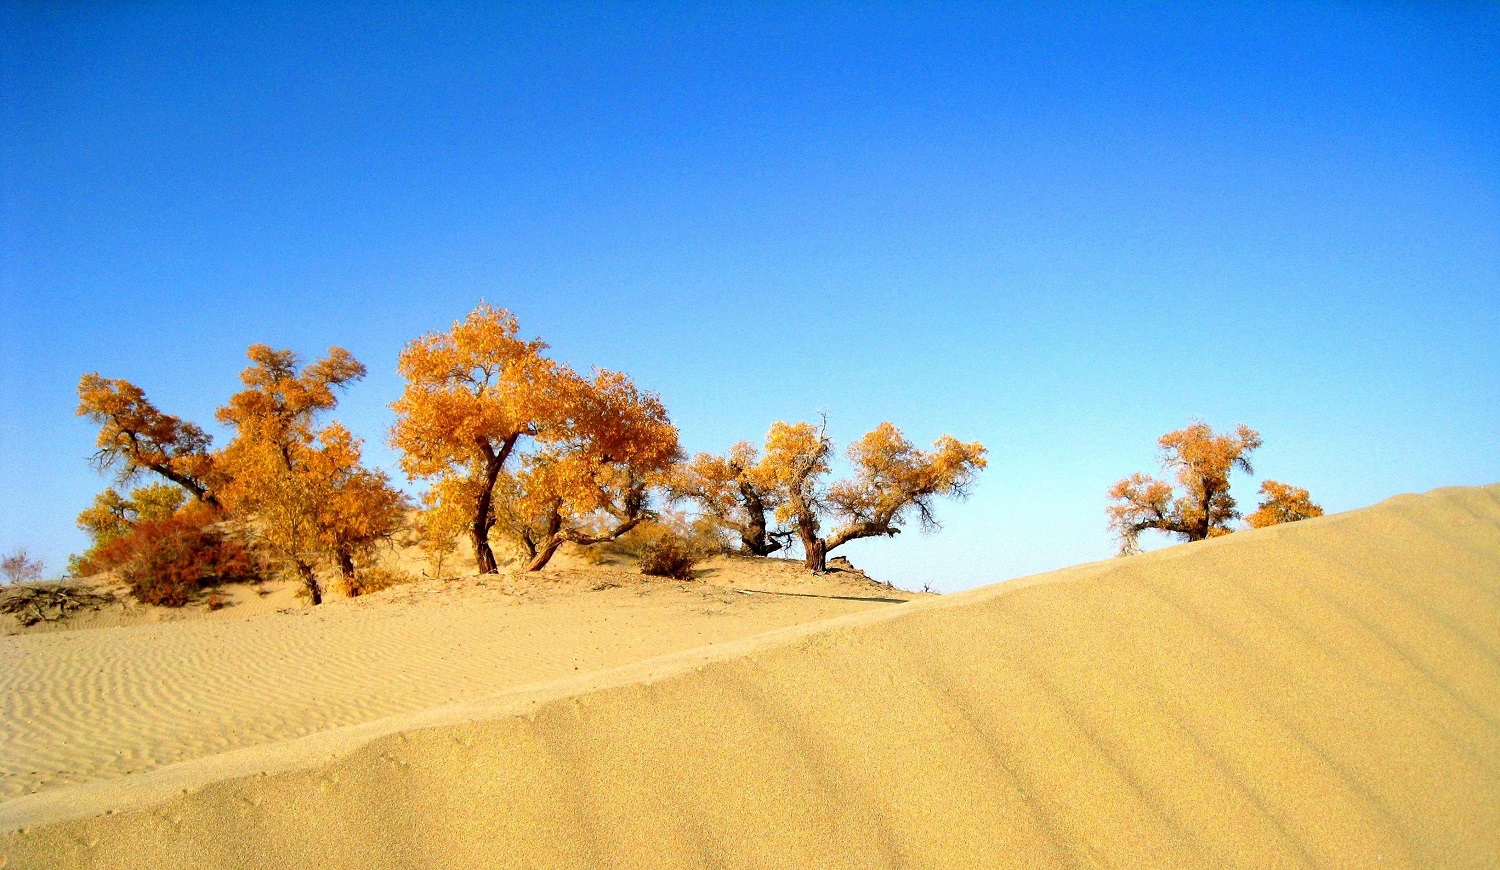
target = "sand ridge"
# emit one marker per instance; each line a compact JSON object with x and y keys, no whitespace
{"x":81,"y":706}
{"x":1326,"y":693}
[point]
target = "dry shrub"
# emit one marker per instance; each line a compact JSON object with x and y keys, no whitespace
{"x":167,"y":562}
{"x":374,"y":579}
{"x":668,"y":555}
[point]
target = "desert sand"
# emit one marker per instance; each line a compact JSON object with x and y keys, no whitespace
{"x":1321,"y":693}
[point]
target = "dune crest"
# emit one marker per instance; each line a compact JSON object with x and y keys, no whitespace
{"x":1325,"y":692}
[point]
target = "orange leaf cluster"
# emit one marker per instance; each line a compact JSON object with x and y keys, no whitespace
{"x":135,"y":437}
{"x":304,"y":487}
{"x":892,"y":481}
{"x":1281,"y":503}
{"x":1201,"y":461}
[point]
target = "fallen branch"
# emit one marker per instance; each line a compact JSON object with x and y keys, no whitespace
{"x":32,"y":603}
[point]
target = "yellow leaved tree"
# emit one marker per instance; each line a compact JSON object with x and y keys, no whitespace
{"x":472,"y":394}
{"x":303,"y":487}
{"x":893,"y":481}
{"x":592,"y":480}
{"x":736,"y":492}
{"x":1281,"y":503}
{"x":1201,"y":460}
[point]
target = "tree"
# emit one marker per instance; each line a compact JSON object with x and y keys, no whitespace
{"x":304,"y":488}
{"x":356,"y":507}
{"x":113,"y":516}
{"x":591,"y":482}
{"x":1281,"y":503}
{"x":1201,"y":461}
{"x":135,"y":437}
{"x":19,"y":567}
{"x":892,"y":481}
{"x":796,"y":460}
{"x":471,"y":395}
{"x":736,"y":492}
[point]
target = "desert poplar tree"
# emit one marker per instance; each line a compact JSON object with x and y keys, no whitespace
{"x":472,"y":395}
{"x":303,"y":487}
{"x":796,"y":462}
{"x":591,"y":482}
{"x":893,"y":481}
{"x":1201,"y":460}
{"x":735,"y":492}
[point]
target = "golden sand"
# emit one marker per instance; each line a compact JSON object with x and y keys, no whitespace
{"x":1323,"y":693}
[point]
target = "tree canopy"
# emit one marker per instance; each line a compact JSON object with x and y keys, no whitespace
{"x":135,"y":437}
{"x":1201,"y":506}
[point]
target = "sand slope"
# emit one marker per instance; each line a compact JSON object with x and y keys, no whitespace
{"x":87,"y":705}
{"x":1323,"y":693}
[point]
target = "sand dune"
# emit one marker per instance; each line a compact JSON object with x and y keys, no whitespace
{"x":1324,"y":693}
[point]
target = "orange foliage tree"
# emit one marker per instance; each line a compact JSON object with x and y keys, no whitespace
{"x":135,"y":437}
{"x":304,"y":487}
{"x":1201,"y":461}
{"x":736,"y":492}
{"x":1281,"y":503}
{"x":471,"y":395}
{"x":591,"y":481}
{"x":113,"y":516}
{"x":893,"y":480}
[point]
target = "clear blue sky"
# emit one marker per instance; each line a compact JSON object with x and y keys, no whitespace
{"x":1060,"y":229}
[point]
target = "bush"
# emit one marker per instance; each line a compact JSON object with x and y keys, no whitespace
{"x":167,"y":562}
{"x":374,"y":579}
{"x":668,"y":556}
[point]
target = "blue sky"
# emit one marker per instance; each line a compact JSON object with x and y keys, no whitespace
{"x":1059,"y":229}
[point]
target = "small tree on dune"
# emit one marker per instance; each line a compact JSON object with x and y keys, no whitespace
{"x":1281,"y":503}
{"x":736,"y":492}
{"x":304,"y":488}
{"x":592,"y":482}
{"x":1201,"y":460}
{"x":19,"y":567}
{"x":113,"y":516}
{"x":797,"y":456}
{"x":135,"y":437}
{"x":893,"y":481}
{"x":472,"y":394}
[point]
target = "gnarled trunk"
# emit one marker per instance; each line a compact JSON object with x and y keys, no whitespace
{"x":544,"y":554}
{"x":484,"y":520}
{"x":817,"y":556}
{"x":755,"y":538}
{"x":310,"y":582}
{"x":346,"y":564}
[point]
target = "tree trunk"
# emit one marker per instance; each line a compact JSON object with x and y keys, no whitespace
{"x":346,"y":564}
{"x":817,"y":556}
{"x":480,"y":530}
{"x":544,"y":553}
{"x":753,"y":538}
{"x":310,"y":582}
